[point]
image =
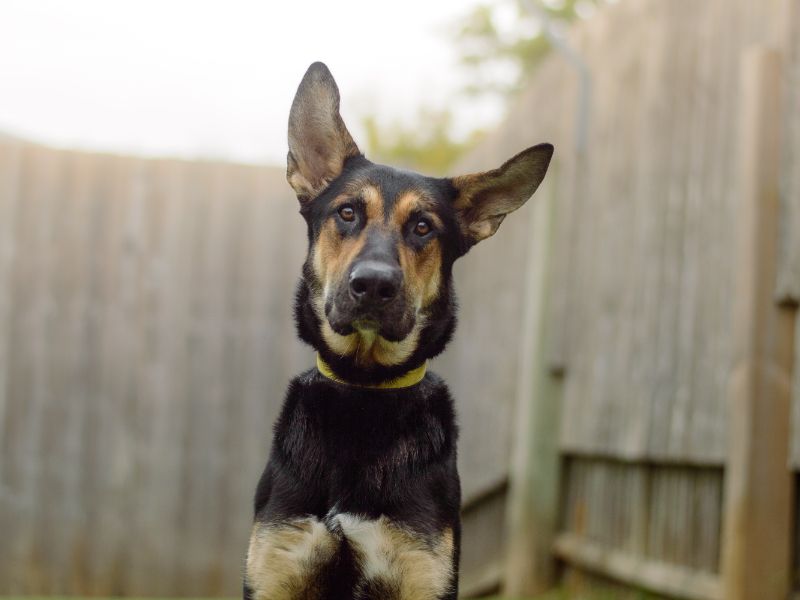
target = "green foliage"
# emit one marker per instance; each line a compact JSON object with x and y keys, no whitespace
{"x":507,"y":36}
{"x":500,"y":44}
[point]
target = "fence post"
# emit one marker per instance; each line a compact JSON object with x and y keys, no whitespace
{"x":532,"y":501}
{"x":758,"y":486}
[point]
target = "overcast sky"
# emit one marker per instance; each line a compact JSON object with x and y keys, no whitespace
{"x":216,"y":78}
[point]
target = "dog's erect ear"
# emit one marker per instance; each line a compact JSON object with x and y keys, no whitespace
{"x":319,"y":142}
{"x":484,"y":199}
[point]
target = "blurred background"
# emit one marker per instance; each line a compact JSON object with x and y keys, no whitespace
{"x":624,"y":366}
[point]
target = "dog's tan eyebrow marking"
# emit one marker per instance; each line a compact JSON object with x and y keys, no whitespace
{"x":374,"y":200}
{"x":408,"y":203}
{"x":367,"y":193}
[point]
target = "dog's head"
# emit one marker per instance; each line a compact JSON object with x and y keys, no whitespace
{"x":375,"y":299}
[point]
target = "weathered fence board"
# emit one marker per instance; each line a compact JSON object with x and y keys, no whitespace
{"x":789,"y":265}
{"x":650,"y":248}
{"x":653,"y":515}
{"x":658,"y":513}
{"x":146,"y":339}
{"x":482,"y":364}
{"x":10,"y":158}
{"x":145,"y":342}
{"x":758,"y":486}
{"x":652,"y":299}
{"x":646,"y":249}
{"x":533,"y":495}
{"x":146,"y":334}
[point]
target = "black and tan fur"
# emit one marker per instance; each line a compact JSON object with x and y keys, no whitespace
{"x":360,"y":496}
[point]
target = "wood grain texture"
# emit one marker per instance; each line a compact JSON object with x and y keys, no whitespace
{"x":664,"y":514}
{"x":651,"y":285}
{"x":532,"y":505}
{"x":481,"y":365}
{"x":653,"y":276}
{"x":663,"y":578}
{"x":788,"y":288}
{"x":759,"y":486}
{"x":482,"y":551}
{"x":146,"y":339}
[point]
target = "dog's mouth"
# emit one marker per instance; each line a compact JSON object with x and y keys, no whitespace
{"x":393,"y":323}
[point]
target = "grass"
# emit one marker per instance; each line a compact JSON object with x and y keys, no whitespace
{"x":561,"y":594}
{"x":558,"y":594}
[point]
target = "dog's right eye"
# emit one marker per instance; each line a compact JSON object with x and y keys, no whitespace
{"x":347,"y":213}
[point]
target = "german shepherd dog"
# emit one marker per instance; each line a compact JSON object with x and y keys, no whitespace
{"x":360,"y":496}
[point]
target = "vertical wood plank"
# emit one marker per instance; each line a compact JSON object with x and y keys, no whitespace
{"x":163,"y":493}
{"x":648,"y":222}
{"x":27,"y":379}
{"x":235,"y":487}
{"x":201,"y":391}
{"x":140,"y":417}
{"x":789,"y":267}
{"x":89,"y":567}
{"x":60,"y":523}
{"x":665,"y":377}
{"x":758,"y":484}
{"x":711,"y":192}
{"x":532,"y":499}
{"x":116,"y":347}
{"x":10,"y":193}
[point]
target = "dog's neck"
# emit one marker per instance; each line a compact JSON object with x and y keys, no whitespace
{"x":411,"y":377}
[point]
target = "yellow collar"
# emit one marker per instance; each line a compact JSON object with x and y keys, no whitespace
{"x":413,"y":377}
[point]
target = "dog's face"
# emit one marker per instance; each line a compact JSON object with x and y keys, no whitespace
{"x":378,"y":258}
{"x":375,"y":295}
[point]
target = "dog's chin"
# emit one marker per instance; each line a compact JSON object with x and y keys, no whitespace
{"x":391,"y":330}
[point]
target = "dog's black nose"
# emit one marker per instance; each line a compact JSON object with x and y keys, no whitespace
{"x":373,"y":282}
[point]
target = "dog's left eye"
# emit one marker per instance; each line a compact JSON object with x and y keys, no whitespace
{"x":422,"y":228}
{"x":347,"y":213}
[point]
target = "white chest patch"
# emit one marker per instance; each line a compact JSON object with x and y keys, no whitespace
{"x":416,"y":568}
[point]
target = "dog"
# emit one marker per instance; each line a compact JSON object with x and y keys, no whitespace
{"x":360,"y":496}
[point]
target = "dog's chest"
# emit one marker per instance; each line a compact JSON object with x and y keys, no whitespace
{"x":353,"y":438}
{"x":302,"y":558}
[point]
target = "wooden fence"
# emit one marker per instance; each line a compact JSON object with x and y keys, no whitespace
{"x":663,"y":349}
{"x":146,"y":340}
{"x":621,"y":418}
